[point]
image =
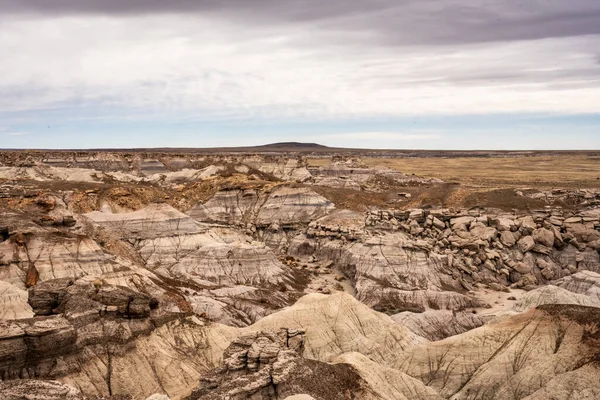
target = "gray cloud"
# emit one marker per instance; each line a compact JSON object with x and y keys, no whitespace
{"x":387,"y":22}
{"x":233,"y":58}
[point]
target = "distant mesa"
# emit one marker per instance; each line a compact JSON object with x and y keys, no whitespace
{"x":292,"y":146}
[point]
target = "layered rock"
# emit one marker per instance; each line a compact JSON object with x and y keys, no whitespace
{"x":285,"y":169}
{"x":33,"y":254}
{"x":224,"y":274}
{"x":584,"y":282}
{"x":128,"y":301}
{"x":541,"y":353}
{"x":283,"y":206}
{"x":38,"y":390}
{"x":338,"y":324}
{"x":43,"y":254}
{"x":553,"y":295}
{"x":42,"y":172}
{"x":440,"y":324}
{"x":156,"y":220}
{"x":140,"y":167}
{"x":548,"y":350}
{"x":353,"y":175}
{"x":13,"y":302}
{"x":269,"y":366}
{"x":77,"y":314}
{"x":391,"y":273}
{"x":501,"y":249}
{"x":105,"y":340}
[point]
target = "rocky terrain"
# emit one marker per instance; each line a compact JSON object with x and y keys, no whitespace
{"x":261,"y":275}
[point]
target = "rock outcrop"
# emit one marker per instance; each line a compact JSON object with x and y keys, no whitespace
{"x":584,"y":282}
{"x":338,"y":324}
{"x":39,"y":390}
{"x":440,"y":324}
{"x":351,"y":174}
{"x":269,"y":366}
{"x":13,"y":302}
{"x":553,"y":295}
{"x":104,"y":340}
{"x":223,"y":274}
{"x":283,"y":205}
{"x":548,"y":352}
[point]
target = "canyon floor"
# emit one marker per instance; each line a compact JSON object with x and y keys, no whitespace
{"x":298,"y":271}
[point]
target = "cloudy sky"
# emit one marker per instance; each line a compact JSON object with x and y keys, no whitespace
{"x":431,"y":74}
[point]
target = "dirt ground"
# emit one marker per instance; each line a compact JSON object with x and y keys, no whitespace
{"x":475,"y":181}
{"x":560,"y":171}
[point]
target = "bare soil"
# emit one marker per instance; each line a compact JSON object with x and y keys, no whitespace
{"x":554,"y":171}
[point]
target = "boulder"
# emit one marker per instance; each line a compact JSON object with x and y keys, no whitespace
{"x":464,"y":221}
{"x":484,"y":232}
{"x":503,"y":224}
{"x":507,"y":238}
{"x":548,"y":273}
{"x":544,"y":237}
{"x":437,"y":223}
{"x":522,"y":268}
{"x":527,"y":224}
{"x":47,"y":296}
{"x":584,"y":234}
{"x":526,"y":243}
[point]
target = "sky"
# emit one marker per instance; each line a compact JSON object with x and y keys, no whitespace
{"x":406,"y":74}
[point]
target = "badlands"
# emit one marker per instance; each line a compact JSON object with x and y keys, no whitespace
{"x":297,"y":271}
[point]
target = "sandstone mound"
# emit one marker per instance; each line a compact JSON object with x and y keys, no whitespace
{"x":269,"y":366}
{"x":584,"y":282}
{"x":545,"y":352}
{"x":439,"y":324}
{"x":553,"y":295}
{"x":338,"y":324}
{"x":387,"y":383}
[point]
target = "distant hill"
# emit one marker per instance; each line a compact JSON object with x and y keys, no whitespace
{"x":294,"y":146}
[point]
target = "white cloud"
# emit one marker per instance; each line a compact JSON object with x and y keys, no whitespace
{"x":220,"y":70}
{"x":16,"y":133}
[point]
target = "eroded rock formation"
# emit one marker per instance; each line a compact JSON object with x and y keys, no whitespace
{"x":170,"y":276}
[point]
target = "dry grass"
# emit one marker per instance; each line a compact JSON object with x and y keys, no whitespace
{"x":318,"y":162}
{"x":476,"y":181}
{"x":577,"y":171}
{"x":354,"y":200}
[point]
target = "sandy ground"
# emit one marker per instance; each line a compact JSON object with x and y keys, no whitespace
{"x":499,"y":301}
{"x":328,"y":280}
